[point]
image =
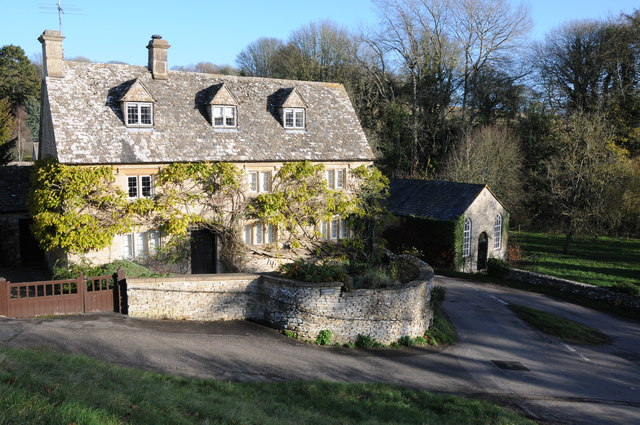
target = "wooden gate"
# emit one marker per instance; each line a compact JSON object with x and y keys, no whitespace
{"x":57,"y":297}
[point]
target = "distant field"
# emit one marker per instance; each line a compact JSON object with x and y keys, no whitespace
{"x":597,"y":261}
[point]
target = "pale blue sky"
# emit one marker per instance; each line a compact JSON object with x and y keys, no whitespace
{"x":217,"y":30}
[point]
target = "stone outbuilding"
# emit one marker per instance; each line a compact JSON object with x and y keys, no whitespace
{"x":17,"y":245}
{"x":452,"y":225}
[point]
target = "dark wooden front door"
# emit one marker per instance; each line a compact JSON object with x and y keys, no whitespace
{"x":203,"y":252}
{"x":30,"y":252}
{"x":483,"y":250}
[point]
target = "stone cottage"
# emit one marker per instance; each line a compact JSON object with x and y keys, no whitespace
{"x":138,"y":119}
{"x":453,"y":225}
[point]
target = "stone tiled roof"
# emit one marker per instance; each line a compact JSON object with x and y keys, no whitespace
{"x":88,"y":125}
{"x":15,"y":183}
{"x":437,"y":200}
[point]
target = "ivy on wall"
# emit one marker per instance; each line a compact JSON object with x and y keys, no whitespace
{"x":79,"y":209}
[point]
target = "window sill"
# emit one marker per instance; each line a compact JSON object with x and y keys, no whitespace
{"x":295,"y":130}
{"x":225,"y":129}
{"x":140,"y":129}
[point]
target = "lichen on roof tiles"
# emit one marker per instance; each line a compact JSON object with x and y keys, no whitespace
{"x":88,"y":123}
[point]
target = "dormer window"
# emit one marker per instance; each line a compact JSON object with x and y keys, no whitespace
{"x":291,"y":107}
{"x":137,"y":105}
{"x":223,"y":107}
{"x":139,"y":114}
{"x":223,"y":115}
{"x":294,"y":118}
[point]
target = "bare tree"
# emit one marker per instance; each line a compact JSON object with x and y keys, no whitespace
{"x":588,"y":177}
{"x":257,"y":59}
{"x":486,"y":32}
{"x":489,"y":155}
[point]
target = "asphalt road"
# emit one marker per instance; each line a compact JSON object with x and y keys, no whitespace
{"x":561,"y":383}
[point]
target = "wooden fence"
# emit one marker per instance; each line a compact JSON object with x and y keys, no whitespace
{"x":58,"y":297}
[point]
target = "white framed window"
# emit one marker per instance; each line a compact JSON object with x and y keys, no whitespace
{"x":333,"y":230}
{"x":139,"y":114}
{"x":466,"y":240}
{"x":139,"y":187}
{"x":294,"y":117}
{"x":259,"y":181}
{"x":497,"y":237}
{"x":259,"y":234}
{"x":140,"y":245}
{"x":335,"y":178}
{"x":223,"y":116}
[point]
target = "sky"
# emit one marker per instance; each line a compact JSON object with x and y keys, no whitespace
{"x":217,"y":30}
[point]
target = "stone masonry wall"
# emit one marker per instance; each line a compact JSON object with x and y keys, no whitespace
{"x":576,"y":288}
{"x":305,"y":308}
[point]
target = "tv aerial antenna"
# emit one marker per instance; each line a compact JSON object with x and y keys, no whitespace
{"x":57,"y":8}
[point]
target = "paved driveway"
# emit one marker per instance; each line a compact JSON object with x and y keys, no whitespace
{"x":562,"y":384}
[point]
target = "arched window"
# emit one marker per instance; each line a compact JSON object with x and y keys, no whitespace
{"x":466,"y":242}
{"x":497,"y":237}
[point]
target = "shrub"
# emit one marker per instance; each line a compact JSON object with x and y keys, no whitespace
{"x":314,"y":272}
{"x":497,"y":267}
{"x":74,"y":270}
{"x":366,"y":341}
{"x":374,"y":278}
{"x":437,"y":295}
{"x":324,"y":337}
{"x":291,"y":334}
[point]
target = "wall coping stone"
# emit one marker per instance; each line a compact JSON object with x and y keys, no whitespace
{"x":192,"y":278}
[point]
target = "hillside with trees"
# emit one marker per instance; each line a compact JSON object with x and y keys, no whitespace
{"x":455,"y":90}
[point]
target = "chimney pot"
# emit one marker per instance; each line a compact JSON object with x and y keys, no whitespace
{"x":158,"y":57}
{"x":52,"y":53}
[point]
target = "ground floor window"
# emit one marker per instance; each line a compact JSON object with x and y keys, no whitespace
{"x":140,"y":245}
{"x":466,"y":242}
{"x":334,"y":229}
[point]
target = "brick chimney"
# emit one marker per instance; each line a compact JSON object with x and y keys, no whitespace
{"x":52,"y":56}
{"x":158,"y":57}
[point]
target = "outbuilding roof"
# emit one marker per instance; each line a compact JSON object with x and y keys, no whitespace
{"x":87,"y":124}
{"x":439,"y":200}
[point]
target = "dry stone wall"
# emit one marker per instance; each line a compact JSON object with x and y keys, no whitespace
{"x":305,"y":308}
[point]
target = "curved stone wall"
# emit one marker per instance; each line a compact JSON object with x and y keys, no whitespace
{"x":305,"y":308}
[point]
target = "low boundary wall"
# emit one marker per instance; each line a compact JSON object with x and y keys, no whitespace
{"x":305,"y":308}
{"x":577,"y":288}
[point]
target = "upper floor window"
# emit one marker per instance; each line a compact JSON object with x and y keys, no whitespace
{"x":294,"y":118}
{"x":139,"y":186}
{"x":497,"y":238}
{"x":335,"y":179}
{"x":259,"y":181}
{"x":139,"y":114}
{"x":223,"y":116}
{"x":466,"y":240}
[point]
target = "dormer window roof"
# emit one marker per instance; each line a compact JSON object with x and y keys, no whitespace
{"x":223,"y":108}
{"x":293,"y":109}
{"x":137,"y":106}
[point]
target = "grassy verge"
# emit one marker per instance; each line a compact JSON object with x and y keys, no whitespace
{"x":442,"y":331}
{"x":566,"y":296}
{"x":566,"y":330}
{"x":39,"y":387}
{"x":599,"y":261}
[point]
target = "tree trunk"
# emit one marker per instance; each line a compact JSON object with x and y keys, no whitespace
{"x":567,"y":242}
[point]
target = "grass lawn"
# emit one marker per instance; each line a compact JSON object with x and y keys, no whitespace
{"x":43,"y":387}
{"x":566,"y":330}
{"x":602,"y":261}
